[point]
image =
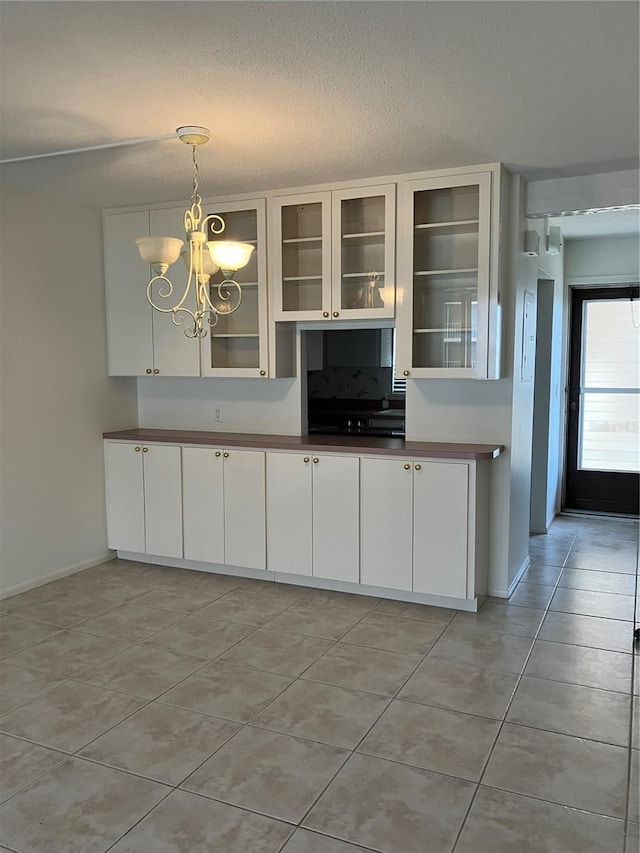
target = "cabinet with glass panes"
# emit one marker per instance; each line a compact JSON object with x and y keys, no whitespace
{"x":237,"y":344}
{"x":333,"y":254}
{"x":447,"y":310}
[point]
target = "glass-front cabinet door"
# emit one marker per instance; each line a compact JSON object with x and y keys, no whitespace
{"x":301,"y":256}
{"x":444,"y":272}
{"x":237,"y":344}
{"x":332,"y":254}
{"x":363,"y":242}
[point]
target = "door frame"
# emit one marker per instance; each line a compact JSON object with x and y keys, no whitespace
{"x":597,"y":282}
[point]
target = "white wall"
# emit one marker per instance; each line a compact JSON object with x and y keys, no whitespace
{"x":56,"y":397}
{"x":601,"y":257}
{"x":249,"y":405}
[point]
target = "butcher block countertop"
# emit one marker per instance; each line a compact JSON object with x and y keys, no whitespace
{"x":314,"y":443}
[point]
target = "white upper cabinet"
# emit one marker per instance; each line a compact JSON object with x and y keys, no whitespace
{"x":129,"y":322}
{"x":143,"y":342}
{"x":332,"y":254}
{"x":174,"y":354}
{"x":237,"y":344}
{"x":363,"y":247}
{"x":448,"y":277}
{"x":300,"y":251}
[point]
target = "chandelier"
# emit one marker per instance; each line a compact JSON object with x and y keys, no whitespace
{"x":202,"y":257}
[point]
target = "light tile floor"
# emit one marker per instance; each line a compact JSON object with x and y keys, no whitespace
{"x":159,"y":710}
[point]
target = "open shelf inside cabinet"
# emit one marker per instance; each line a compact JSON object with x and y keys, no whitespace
{"x":445,"y":332}
{"x":302,"y":257}
{"x":240,"y":225}
{"x":447,"y":206}
{"x":363,"y":252}
{"x":235,"y":351}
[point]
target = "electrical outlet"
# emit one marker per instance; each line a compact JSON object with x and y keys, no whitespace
{"x":217,"y":413}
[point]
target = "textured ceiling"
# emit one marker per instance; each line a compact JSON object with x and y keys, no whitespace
{"x":309,"y":92}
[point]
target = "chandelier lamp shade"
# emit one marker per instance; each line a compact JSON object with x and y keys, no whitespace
{"x":199,"y":302}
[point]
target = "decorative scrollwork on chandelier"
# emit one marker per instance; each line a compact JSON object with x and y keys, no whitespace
{"x":202,"y":257}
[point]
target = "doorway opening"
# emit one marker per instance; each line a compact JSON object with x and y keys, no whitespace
{"x":603,"y":438}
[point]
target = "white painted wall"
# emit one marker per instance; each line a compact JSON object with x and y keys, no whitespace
{"x":601,"y":256}
{"x":249,"y":405}
{"x":56,"y":396}
{"x":583,"y":192}
{"x":549,"y":398}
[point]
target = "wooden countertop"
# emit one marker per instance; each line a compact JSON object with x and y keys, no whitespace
{"x":314,"y":443}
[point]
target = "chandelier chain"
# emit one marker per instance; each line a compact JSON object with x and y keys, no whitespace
{"x":195,"y":198}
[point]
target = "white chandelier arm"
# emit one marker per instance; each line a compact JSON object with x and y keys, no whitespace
{"x":214,"y":230}
{"x":225,"y":289}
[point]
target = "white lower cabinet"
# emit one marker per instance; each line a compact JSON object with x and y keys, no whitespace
{"x":414,"y":525}
{"x":144,"y":498}
{"x":312,"y":515}
{"x":386,"y":522}
{"x":224,"y":506}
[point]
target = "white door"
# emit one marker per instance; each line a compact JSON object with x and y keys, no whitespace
{"x":128,"y":313}
{"x":386,"y":497}
{"x":174,"y":353}
{"x":162,"y":500}
{"x":289,"y":513}
{"x":440,"y":512}
{"x":203,"y":504}
{"x":125,"y":497}
{"x":244,"y":509}
{"x":336,"y":518}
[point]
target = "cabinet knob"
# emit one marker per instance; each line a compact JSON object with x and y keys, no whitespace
{"x":405,"y":372}
{"x":156,"y":370}
{"x":306,"y":459}
{"x":315,"y":459}
{"x":226,"y":455}
{"x":336,"y":313}
{"x":145,"y":449}
{"x":137,"y":449}
{"x":325,"y":313}
{"x":263,"y":373}
{"x":418,"y":467}
{"x":407,"y":467}
{"x":218,"y":453}
{"x":148,"y":370}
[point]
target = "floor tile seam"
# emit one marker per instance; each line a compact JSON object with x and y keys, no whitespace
{"x":172,"y":785}
{"x":414,"y":766}
{"x":4,"y":658}
{"x":38,"y":696}
{"x":582,"y":738}
{"x":539,"y":639}
{"x":326,"y":834}
{"x":519,"y":677}
{"x":79,"y":680}
{"x":294,"y":824}
{"x":25,"y":787}
{"x":555,"y":803}
{"x":70,"y":677}
{"x":177,"y":651}
{"x":453,"y":710}
{"x":571,"y":683}
{"x":138,"y":821}
{"x":350,"y":749}
{"x":334,"y":643}
{"x":362,"y":645}
{"x":80,"y":629}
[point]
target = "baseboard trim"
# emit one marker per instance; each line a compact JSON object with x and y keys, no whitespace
{"x":507,"y":593}
{"x":54,"y":576}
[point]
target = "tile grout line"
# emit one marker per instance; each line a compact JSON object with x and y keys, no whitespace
{"x":506,"y":712}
